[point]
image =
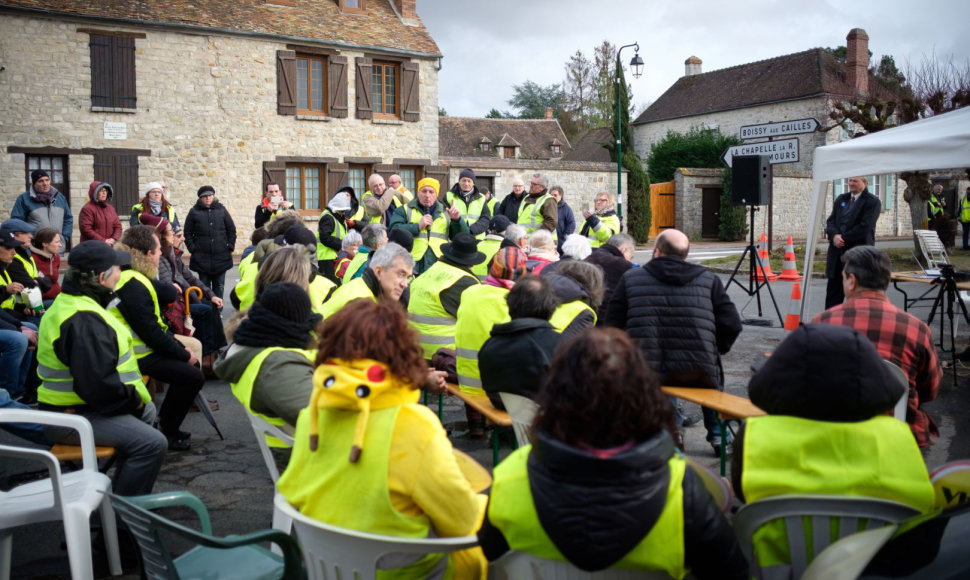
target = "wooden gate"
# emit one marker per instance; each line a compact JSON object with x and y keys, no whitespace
{"x":662,"y":207}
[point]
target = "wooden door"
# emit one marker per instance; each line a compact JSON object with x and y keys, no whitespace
{"x":711,"y":208}
{"x":662,"y":198}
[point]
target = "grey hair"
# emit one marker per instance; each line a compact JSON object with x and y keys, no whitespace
{"x":351,"y":239}
{"x":620,"y":241}
{"x":390,"y":253}
{"x":543,"y":180}
{"x":514,"y":233}
{"x":372,"y":235}
{"x":372,"y":176}
{"x":870,"y":266}
{"x":542,"y":240}
{"x":576,"y":247}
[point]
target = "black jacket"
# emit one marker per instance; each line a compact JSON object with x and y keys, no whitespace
{"x":516,"y":357}
{"x":681,"y":316}
{"x":18,"y":273}
{"x":614,"y":265}
{"x":139,"y":311}
{"x":596,"y":510}
{"x":480,"y":226}
{"x":510,"y":206}
{"x":567,"y":289}
{"x":210,"y":236}
{"x":857,"y":224}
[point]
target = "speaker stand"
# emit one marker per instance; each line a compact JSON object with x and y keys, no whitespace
{"x":754,"y":285}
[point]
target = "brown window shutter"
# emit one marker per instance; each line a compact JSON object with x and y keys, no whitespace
{"x":409,"y":91}
{"x":337,"y":178}
{"x":365,"y":109}
{"x":101,"y":70}
{"x":275,"y":171}
{"x":338,"y":87}
{"x":126,"y":95}
{"x":439,"y":172}
{"x":286,"y":82}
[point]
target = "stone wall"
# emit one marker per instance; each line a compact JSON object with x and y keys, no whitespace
{"x":206,"y":110}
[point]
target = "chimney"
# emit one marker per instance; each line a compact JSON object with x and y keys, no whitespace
{"x":406,"y":8}
{"x":548,"y":114}
{"x":857,"y":60}
{"x":692,"y":66}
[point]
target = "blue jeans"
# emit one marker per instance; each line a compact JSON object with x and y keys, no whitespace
{"x":30,"y":431}
{"x":215,"y":282}
{"x":14,"y":361}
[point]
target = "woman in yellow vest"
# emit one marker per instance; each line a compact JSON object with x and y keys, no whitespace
{"x":601,"y":223}
{"x":154,"y":201}
{"x":341,"y":214}
{"x":579,"y":287}
{"x":606,"y":487}
{"x":368,"y":456}
{"x":826,"y":391}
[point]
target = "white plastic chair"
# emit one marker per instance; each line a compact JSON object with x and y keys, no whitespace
{"x":522,"y":566}
{"x":899,"y":411}
{"x":262,"y":429}
{"x":332,"y":552}
{"x":522,"y":410}
{"x":848,"y":558}
{"x":853,"y":514}
{"x":951,"y":482}
{"x":69,"y":497}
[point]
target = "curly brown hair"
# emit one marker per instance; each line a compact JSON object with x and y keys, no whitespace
{"x":601,"y":392}
{"x":375,"y":330}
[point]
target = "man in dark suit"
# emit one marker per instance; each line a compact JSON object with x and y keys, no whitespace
{"x":852,"y":223}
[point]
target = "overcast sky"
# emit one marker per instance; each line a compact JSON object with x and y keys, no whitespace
{"x":489,"y":45}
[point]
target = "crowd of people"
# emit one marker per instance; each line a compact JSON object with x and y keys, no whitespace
{"x":337,"y":331}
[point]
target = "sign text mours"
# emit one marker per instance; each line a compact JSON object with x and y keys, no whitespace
{"x":781,"y":151}
{"x":780,"y":128}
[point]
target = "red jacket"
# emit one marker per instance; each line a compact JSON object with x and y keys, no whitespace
{"x":50,"y":265}
{"x":99,"y":220}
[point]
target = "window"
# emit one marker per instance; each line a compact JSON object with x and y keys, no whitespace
{"x":311,"y":85}
{"x":508,"y":152}
{"x":410,"y":176}
{"x":357,"y":178}
{"x":351,"y":5}
{"x":384,"y":89}
{"x":556,"y":149}
{"x":113,"y":72}
{"x":304,"y":186}
{"x":881,"y":186}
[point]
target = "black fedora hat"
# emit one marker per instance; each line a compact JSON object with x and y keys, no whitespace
{"x":463,"y":249}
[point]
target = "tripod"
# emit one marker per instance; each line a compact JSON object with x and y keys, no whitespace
{"x":949,"y":291}
{"x":754,"y":285}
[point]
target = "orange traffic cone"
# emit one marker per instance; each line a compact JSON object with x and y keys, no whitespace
{"x":764,"y":263}
{"x":789,"y":271}
{"x":794,"y":308}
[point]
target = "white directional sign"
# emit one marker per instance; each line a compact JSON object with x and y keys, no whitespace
{"x":779,"y":129}
{"x":780,"y":151}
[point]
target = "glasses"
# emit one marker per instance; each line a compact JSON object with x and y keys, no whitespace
{"x":601,"y":201}
{"x":534,"y":183}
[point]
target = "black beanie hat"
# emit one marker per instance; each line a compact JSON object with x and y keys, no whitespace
{"x":470,"y":174}
{"x":401,"y":237}
{"x":299,"y":234}
{"x":206,"y":190}
{"x":288,"y":300}
{"x":37,"y":174}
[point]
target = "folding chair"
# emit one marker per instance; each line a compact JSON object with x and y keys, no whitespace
{"x":522,"y":410}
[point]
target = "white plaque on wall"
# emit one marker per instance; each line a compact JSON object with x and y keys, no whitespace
{"x":115,"y":131}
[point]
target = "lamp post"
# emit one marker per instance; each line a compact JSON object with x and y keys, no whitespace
{"x":636,"y":67}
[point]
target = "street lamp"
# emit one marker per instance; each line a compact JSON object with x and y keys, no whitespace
{"x":636,"y":67}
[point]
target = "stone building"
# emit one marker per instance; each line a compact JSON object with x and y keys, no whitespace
{"x":312,"y":95}
{"x":803,"y":85}
{"x":500,"y":150}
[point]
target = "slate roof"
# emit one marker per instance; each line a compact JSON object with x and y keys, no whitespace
{"x":800,"y":75}
{"x":460,"y":136}
{"x":314,"y":20}
{"x":589,"y":149}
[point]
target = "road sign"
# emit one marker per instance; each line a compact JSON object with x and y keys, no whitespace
{"x":780,"y":151}
{"x":779,"y":129}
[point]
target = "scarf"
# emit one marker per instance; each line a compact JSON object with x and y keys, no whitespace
{"x":44,"y":198}
{"x":263,"y":328}
{"x":156,"y":207}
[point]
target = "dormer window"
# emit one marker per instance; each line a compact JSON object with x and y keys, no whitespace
{"x":351,"y":5}
{"x":485,"y":145}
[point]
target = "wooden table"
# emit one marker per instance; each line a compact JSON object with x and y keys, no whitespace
{"x":919,"y":277}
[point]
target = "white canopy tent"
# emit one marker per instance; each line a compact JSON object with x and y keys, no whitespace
{"x":940,"y":142}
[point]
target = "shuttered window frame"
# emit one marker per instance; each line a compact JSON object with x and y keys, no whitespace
{"x":335,"y":77}
{"x":113,"y":78}
{"x":407,"y":89}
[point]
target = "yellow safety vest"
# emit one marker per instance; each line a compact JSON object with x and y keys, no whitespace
{"x":566,"y":313}
{"x":965,"y":210}
{"x":360,"y":258}
{"x":426,"y":315}
{"x":57,"y":386}
{"x":935,"y":208}
{"x":472,"y":211}
{"x":243,"y":390}
{"x":512,"y":511}
{"x":529,"y":213}
{"x":482,"y":306}
{"x":29,"y":265}
{"x":168,"y":213}
{"x":489,"y":247}
{"x":435,"y":237}
{"x":350,"y":291}
{"x":246,"y":287}
{"x":320,"y":287}
{"x":138,"y":345}
{"x":790,"y":455}
{"x":339,"y":231}
{"x":607,"y":227}
{"x":245,"y":263}
{"x":7,"y":304}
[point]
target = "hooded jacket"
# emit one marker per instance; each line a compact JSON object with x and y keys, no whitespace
{"x":210,"y":235}
{"x":516,"y":357}
{"x":98,"y":220}
{"x":569,"y":290}
{"x":614,"y":265}
{"x":55,"y":214}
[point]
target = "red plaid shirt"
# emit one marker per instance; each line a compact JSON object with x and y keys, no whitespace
{"x":901,"y":338}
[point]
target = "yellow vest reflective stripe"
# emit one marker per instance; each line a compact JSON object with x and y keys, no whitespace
{"x":512,"y":511}
{"x":360,"y":258}
{"x":138,"y":345}
{"x":243,"y":390}
{"x":57,"y":386}
{"x":352,"y":290}
{"x":7,"y":304}
{"x":529,"y":213}
{"x":320,"y":287}
{"x":339,"y":231}
{"x":607,"y":227}
{"x":482,"y":307}
{"x":426,"y":315}
{"x":29,"y":264}
{"x":566,"y":313}
{"x":339,"y":491}
{"x":784,"y":455}
{"x":434,"y":237}
{"x":965,"y":210}
{"x":471,"y":211}
{"x":489,"y":247}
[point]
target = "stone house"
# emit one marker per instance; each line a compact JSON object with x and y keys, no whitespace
{"x":803,"y":85}
{"x":312,"y":95}
{"x":500,"y":150}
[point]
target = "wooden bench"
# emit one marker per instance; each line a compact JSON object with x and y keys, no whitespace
{"x":728,"y":407}
{"x":73,"y":453}
{"x":482,"y":404}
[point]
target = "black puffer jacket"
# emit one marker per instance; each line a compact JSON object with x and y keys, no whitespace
{"x":682,"y":318}
{"x":210,"y":235}
{"x":595,"y":510}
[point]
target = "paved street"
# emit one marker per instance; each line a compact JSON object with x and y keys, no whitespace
{"x":230,"y":477}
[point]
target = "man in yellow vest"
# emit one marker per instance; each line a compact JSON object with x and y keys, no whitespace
{"x":386,"y":275}
{"x":23,"y":268}
{"x":332,"y":227}
{"x":380,"y":201}
{"x":539,"y":209}
{"x":87,"y":366}
{"x":935,"y":207}
{"x":965,"y":218}
{"x":437,"y":294}
{"x":602,"y":222}
{"x":827,"y":393}
{"x":472,"y":203}
{"x":429,"y":222}
{"x":394,"y":182}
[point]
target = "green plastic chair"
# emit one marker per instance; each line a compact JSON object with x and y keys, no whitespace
{"x":231,"y":557}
